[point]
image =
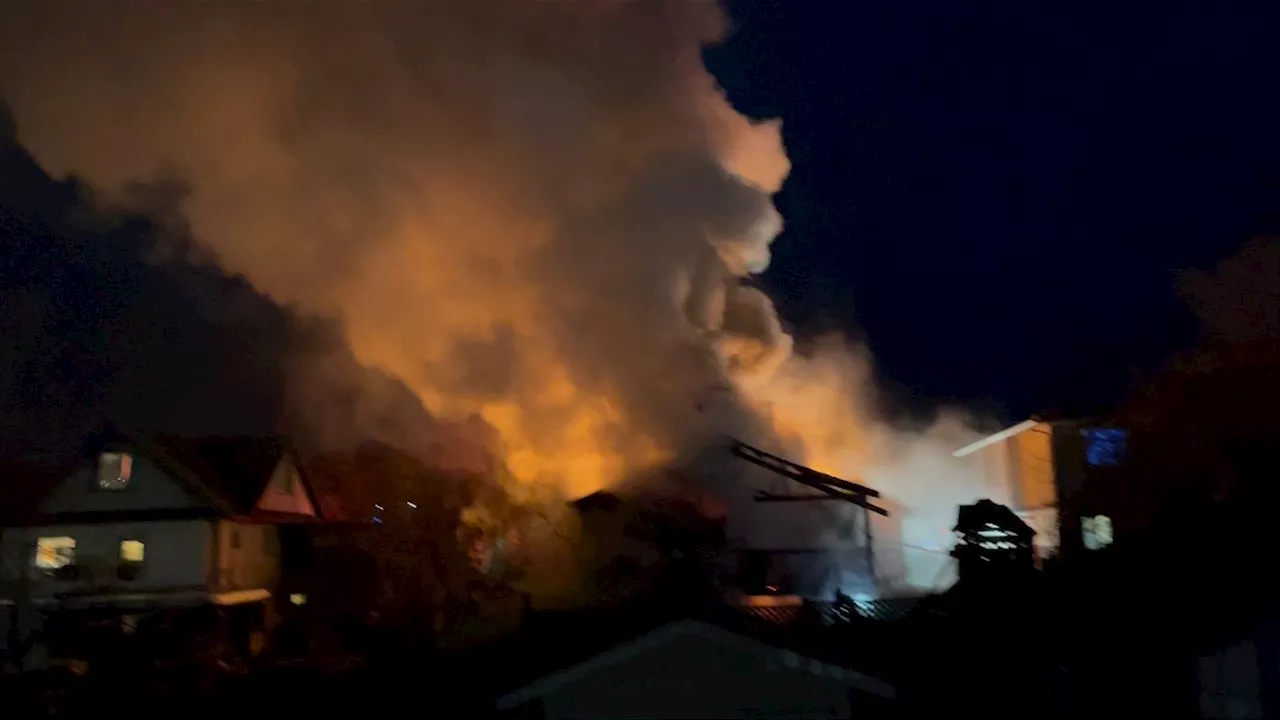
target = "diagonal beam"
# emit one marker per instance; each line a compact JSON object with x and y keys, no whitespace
{"x":832,"y":488}
{"x":794,"y":471}
{"x":762,"y":496}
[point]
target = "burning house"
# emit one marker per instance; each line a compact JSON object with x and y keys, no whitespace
{"x":808,"y":566}
{"x":756,"y":555}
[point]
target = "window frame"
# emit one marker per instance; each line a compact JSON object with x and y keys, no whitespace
{"x":97,"y":471}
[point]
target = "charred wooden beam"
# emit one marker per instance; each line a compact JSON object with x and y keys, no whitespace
{"x":832,"y":487}
{"x":762,"y":496}
{"x":794,"y":471}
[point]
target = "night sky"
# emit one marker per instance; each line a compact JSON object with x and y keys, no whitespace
{"x":998,"y":196}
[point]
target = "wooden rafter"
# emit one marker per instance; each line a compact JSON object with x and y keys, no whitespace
{"x":831,"y":487}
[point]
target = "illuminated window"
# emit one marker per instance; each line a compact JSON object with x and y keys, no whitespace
{"x":1097,"y":532}
{"x":55,"y":553}
{"x":114,"y":470}
{"x":132,"y":551}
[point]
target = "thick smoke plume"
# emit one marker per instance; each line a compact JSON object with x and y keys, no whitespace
{"x":534,"y":213}
{"x":112,"y":319}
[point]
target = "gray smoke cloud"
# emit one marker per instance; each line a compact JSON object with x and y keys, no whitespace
{"x":531,"y":211}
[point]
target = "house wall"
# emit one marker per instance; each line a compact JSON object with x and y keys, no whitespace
{"x":177,"y":556}
{"x":248,"y":556}
{"x":1034,"y":483}
{"x":1019,"y":471}
{"x":286,"y":493}
{"x":150,"y":488}
{"x":1023,"y":472}
{"x":690,"y":676}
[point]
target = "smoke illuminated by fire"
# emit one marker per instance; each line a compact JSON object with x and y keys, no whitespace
{"x":534,"y":213}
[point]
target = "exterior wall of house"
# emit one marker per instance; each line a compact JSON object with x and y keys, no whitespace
{"x":247,"y":556}
{"x":1022,"y":472}
{"x":693,"y":676}
{"x":176,"y":557}
{"x":150,"y":488}
{"x":1019,"y":471}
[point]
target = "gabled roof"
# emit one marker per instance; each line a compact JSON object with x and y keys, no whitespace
{"x":740,"y":641}
{"x":231,"y":472}
{"x":236,"y":469}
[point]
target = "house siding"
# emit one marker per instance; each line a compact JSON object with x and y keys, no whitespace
{"x":1025,"y":473}
{"x":176,"y":556}
{"x":286,"y":493}
{"x":150,"y":488}
{"x":1020,"y":471}
{"x":247,"y":556}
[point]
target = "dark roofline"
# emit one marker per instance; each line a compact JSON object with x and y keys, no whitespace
{"x":119,"y":516}
{"x":184,"y":472}
{"x":117,"y":440}
{"x":551,"y":642}
{"x":637,"y":644}
{"x":290,"y":451}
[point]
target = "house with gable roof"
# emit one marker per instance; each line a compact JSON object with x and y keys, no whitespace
{"x":159,"y":522}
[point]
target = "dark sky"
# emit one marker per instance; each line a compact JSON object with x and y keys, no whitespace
{"x":998,"y":195}
{"x":111,"y":318}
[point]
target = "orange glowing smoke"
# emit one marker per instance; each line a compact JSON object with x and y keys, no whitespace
{"x":818,"y":404}
{"x":529,"y":212}
{"x":533,"y":213}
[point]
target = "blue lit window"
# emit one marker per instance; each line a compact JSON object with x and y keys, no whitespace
{"x":1104,"y":447}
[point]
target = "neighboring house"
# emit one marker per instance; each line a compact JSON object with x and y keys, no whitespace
{"x":1040,"y":468}
{"x":160,"y":522}
{"x":690,"y":668}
